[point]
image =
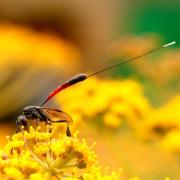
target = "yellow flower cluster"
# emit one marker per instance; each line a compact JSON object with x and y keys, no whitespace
{"x":110,"y":100}
{"x":164,"y":123}
{"x":24,"y":45}
{"x":40,"y":155}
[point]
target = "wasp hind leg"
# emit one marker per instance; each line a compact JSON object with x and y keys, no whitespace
{"x":49,"y":123}
{"x":68,"y":132}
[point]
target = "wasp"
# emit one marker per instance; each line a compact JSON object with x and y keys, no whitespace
{"x":47,"y":115}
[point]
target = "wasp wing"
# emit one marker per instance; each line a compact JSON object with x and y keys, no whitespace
{"x":56,"y":115}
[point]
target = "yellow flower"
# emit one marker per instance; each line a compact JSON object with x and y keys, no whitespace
{"x":28,"y":46}
{"x":108,"y":100}
{"x":12,"y":173}
{"x":95,"y":174}
{"x":171,"y":141}
{"x":162,"y":121}
{"x":40,"y":155}
{"x":112,"y":120}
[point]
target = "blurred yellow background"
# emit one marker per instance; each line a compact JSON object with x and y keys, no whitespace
{"x":133,"y":111}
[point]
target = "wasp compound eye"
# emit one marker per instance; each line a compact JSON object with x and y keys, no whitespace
{"x":21,"y":121}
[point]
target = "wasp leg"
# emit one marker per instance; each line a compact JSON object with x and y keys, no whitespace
{"x":49,"y":123}
{"x":36,"y":124}
{"x":21,"y":121}
{"x":17,"y":128}
{"x":58,"y":121}
{"x":68,"y":132}
{"x":50,"y":128}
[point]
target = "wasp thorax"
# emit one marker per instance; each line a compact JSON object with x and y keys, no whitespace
{"x":29,"y":109}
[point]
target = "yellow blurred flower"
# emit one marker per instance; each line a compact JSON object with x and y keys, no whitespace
{"x":112,"y":120}
{"x":162,"y":120}
{"x":24,"y":45}
{"x":110,"y":100}
{"x":164,"y":123}
{"x":171,"y":142}
{"x":127,"y":45}
{"x":163,"y":70}
{"x":39,"y":155}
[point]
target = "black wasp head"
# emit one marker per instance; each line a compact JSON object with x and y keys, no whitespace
{"x":21,"y":121}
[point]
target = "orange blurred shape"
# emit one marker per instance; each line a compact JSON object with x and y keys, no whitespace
{"x":6,"y":130}
{"x":131,"y":45}
{"x":24,"y":45}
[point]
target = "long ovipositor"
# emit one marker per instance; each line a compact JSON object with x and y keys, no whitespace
{"x":82,"y":77}
{"x":70,"y":82}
